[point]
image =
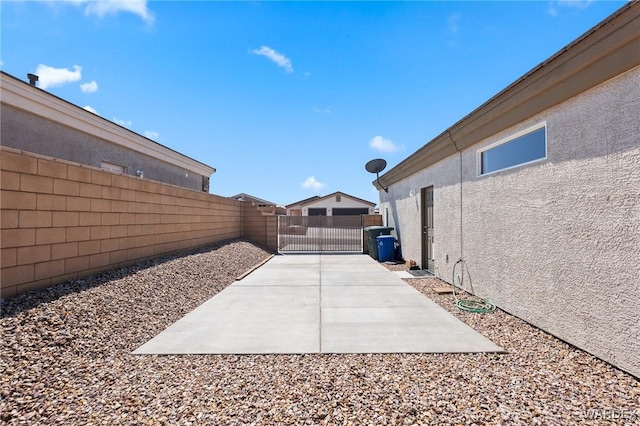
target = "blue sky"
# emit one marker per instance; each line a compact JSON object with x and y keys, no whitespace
{"x":286,"y":99}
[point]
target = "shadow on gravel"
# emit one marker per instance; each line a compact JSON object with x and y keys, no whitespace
{"x":31,"y":299}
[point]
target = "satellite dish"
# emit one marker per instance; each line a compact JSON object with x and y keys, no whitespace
{"x":376,"y":166}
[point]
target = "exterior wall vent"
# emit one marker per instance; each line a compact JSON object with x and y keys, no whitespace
{"x":32,"y":79}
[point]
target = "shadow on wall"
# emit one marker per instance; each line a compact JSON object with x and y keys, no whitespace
{"x":385,"y":197}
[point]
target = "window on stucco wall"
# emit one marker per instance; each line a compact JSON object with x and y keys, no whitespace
{"x":525,"y":147}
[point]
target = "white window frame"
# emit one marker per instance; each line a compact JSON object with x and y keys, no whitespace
{"x":510,"y":138}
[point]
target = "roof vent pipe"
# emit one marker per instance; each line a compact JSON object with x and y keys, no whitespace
{"x":32,"y":79}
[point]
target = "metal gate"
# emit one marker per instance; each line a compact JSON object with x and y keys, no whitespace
{"x":319,"y":233}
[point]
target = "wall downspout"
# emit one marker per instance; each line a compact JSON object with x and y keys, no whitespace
{"x":461,"y":220}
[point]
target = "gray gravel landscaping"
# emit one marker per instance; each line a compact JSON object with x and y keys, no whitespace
{"x":66,"y":359}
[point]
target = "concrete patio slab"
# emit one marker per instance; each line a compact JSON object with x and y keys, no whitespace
{"x":244,"y":320}
{"x":403,"y":274}
{"x":318,"y":303}
{"x":273,"y":281}
{"x":357,"y":278}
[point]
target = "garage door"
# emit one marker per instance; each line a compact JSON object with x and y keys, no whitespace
{"x":354,"y":211}
{"x":318,"y":212}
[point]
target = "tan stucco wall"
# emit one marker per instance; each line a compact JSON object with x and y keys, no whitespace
{"x":556,"y":243}
{"x":402,"y":209}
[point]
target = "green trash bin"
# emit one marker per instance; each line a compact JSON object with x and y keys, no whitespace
{"x":372,"y":233}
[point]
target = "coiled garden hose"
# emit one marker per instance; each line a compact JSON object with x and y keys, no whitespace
{"x":475,"y":306}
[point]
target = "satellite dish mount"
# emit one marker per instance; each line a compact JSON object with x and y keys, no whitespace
{"x":376,"y":166}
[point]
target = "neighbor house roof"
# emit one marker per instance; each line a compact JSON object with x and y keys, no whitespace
{"x":317,"y":198}
{"x":301,"y":202}
{"x":255,"y":200}
{"x":27,"y":97}
{"x":607,"y":50}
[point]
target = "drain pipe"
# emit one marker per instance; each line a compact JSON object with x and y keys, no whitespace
{"x":461,"y":226}
{"x":475,"y":306}
{"x":483,"y":306}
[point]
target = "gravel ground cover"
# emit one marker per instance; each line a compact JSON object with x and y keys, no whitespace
{"x":66,"y":359}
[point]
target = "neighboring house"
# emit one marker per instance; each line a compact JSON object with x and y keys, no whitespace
{"x":295,"y":209}
{"x":262,"y":205}
{"x":36,"y":121}
{"x":336,"y":204}
{"x":538,"y":191}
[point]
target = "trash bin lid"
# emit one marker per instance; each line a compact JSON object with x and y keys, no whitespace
{"x":375,"y":228}
{"x":382,"y":237}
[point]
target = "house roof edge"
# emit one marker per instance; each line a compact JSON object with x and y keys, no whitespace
{"x":603,"y":52}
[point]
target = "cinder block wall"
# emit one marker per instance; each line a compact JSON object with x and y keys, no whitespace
{"x":62,"y":220}
{"x":258,"y":227}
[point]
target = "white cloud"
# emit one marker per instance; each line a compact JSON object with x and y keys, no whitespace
{"x":90,"y":87}
{"x":51,"y":77}
{"x":151,"y":134}
{"x":322,"y":110}
{"x":278,"y":58}
{"x":383,"y":145}
{"x":123,"y":123}
{"x":312,"y":183}
{"x":113,"y":7}
{"x":575,"y":4}
{"x":453,"y":23}
{"x":90,"y":109}
{"x":101,"y":8}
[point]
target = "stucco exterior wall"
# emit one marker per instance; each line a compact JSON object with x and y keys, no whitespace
{"x":557,"y":242}
{"x":401,"y":207}
{"x":30,"y":132}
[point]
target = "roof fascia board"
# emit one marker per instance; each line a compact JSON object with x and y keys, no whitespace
{"x":319,"y":199}
{"x":301,"y":202}
{"x":360,"y":200}
{"x":253,"y":199}
{"x":608,"y":50}
{"x":39,"y":102}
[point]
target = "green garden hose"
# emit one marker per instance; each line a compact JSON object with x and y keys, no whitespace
{"x":475,"y":306}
